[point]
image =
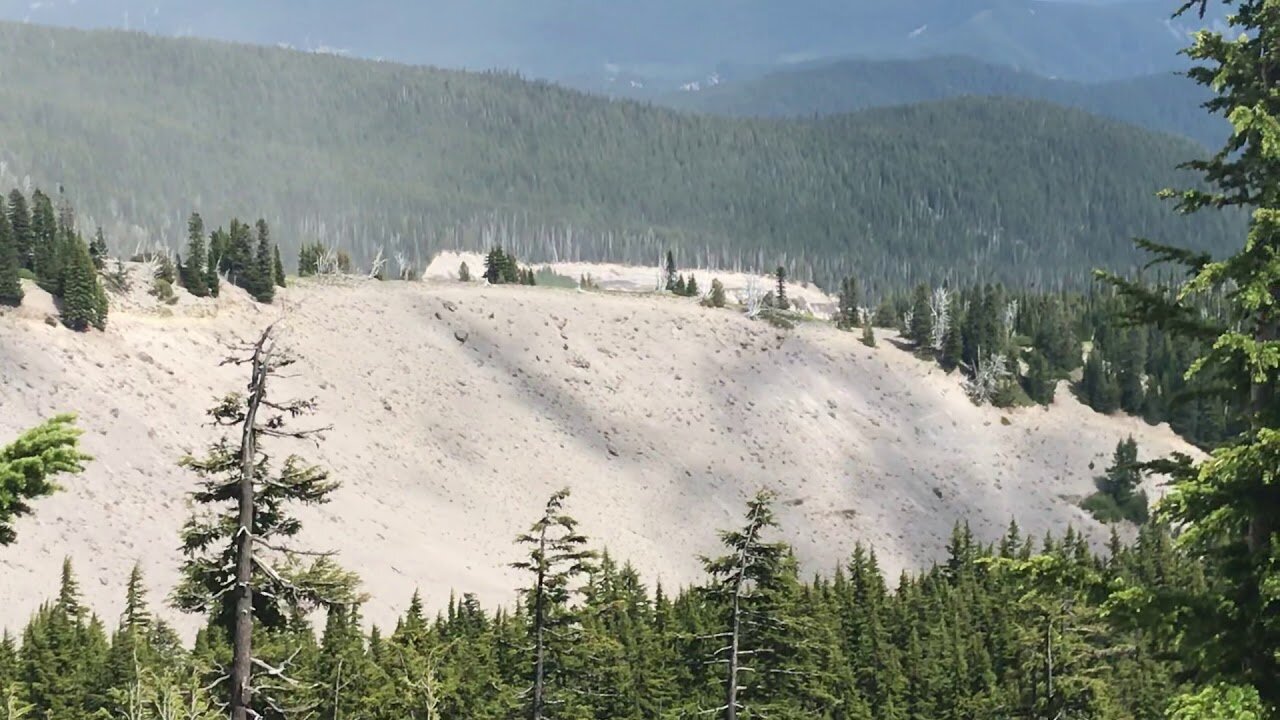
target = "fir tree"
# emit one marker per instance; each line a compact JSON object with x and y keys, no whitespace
{"x":20,"y":222}
{"x":262,"y":286}
{"x":669,"y":283}
{"x":98,"y":249}
{"x":780,"y":298}
{"x":746,"y":584}
{"x":868,"y":335}
{"x":84,"y":303}
{"x":691,"y":287}
{"x":10,"y":283}
{"x":46,"y":259}
{"x":277,"y":267}
{"x":921,"y":329}
{"x":238,"y":567}
{"x":1039,"y":382}
{"x":557,"y":556}
{"x":850,"y":299}
{"x":679,"y":287}
{"x":195,"y":273}
{"x":464,"y":272}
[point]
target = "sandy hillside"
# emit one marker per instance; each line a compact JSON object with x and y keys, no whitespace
{"x":661,"y":415}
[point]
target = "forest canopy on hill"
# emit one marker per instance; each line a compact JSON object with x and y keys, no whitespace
{"x":364,"y":155}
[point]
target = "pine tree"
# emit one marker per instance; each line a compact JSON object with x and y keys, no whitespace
{"x":746,"y":585}
{"x":46,"y":260}
{"x":921,"y":329}
{"x":84,"y":303}
{"x":98,"y":249}
{"x":557,"y":556}
{"x":691,"y":288}
{"x":238,"y":567}
{"x":850,"y":299}
{"x":10,"y":283}
{"x":780,"y":298}
{"x":679,"y":288}
{"x":195,"y":273}
{"x":277,"y":267}
{"x":1039,"y":383}
{"x":263,"y":287}
{"x":28,"y":464}
{"x":464,"y":272}
{"x":495,"y":264}
{"x":670,"y":280}
{"x":868,"y":335}
{"x":20,"y":222}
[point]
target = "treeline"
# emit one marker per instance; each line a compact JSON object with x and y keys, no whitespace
{"x":376,"y":156}
{"x":41,"y":243}
{"x":1011,"y":629}
{"x":245,"y":255}
{"x":1014,"y":346}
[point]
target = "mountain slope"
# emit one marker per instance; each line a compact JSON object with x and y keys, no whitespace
{"x":1165,"y":102}
{"x":668,"y":39}
{"x":142,"y":130}
{"x":662,"y":416}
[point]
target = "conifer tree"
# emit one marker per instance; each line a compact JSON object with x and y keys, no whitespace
{"x":921,"y":329}
{"x":557,"y":557}
{"x":717,"y":298}
{"x":20,"y":222}
{"x":263,"y":287}
{"x":239,"y":568}
{"x":745,"y":584}
{"x":10,"y":283}
{"x":868,"y":335}
{"x":850,"y":299}
{"x":28,"y":465}
{"x":195,"y":272}
{"x":679,"y":287}
{"x":691,"y":287}
{"x":98,"y":249}
{"x":1229,"y":504}
{"x":46,"y":261}
{"x":277,"y":266}
{"x":670,"y":280}
{"x":780,"y":298}
{"x":84,"y":302}
{"x":464,"y":272}
{"x":1039,"y":382}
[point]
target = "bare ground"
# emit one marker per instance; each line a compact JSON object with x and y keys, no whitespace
{"x":458,"y":408}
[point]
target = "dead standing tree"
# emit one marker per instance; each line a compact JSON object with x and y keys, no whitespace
{"x":239,"y":566}
{"x":557,"y":555}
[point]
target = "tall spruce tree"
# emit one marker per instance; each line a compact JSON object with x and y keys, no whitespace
{"x":263,"y":285}
{"x":780,"y":296}
{"x":20,"y":221}
{"x":1229,"y":504}
{"x":239,"y":567}
{"x":277,"y":266}
{"x":558,"y":555}
{"x":745,"y":584}
{"x":98,"y":249}
{"x":45,"y":260}
{"x":84,"y":302}
{"x":850,"y":299}
{"x":10,"y":283}
{"x":195,"y":271}
{"x":921,"y":328}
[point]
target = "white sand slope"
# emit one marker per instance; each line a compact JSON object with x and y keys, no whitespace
{"x":662,"y":416}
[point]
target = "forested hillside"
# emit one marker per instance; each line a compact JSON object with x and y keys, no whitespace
{"x":1165,"y":102}
{"x":366,"y":155}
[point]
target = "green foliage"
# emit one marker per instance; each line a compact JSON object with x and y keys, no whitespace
{"x":84,"y":303}
{"x":28,"y":464}
{"x":464,"y":272}
{"x":163,"y":291}
{"x":10,"y":282}
{"x":1218,"y":702}
{"x":277,"y":267}
{"x":98,"y":249}
{"x":868,"y":335}
{"x":194,"y":274}
{"x":869,"y":192}
{"x":546,"y":276}
{"x":715,"y":298}
{"x":1227,"y":505}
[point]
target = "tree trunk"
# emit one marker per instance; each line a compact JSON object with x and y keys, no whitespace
{"x":539,"y":609}
{"x":242,"y":639}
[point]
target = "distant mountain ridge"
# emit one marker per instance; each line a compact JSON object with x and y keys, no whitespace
{"x":1166,"y":102}
{"x":669,"y":42}
{"x":143,"y":130}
